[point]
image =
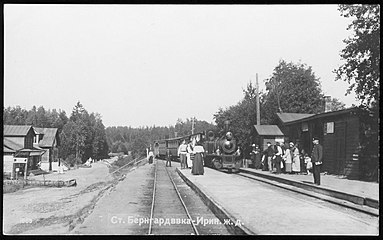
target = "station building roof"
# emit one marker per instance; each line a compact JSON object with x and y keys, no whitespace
{"x":325,"y":114}
{"x":268,"y":130}
{"x":290,"y":117}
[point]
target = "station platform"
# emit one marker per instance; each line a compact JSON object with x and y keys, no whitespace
{"x":359,"y":192}
{"x":258,"y":208}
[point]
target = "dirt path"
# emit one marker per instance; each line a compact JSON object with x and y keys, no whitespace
{"x":57,"y":210}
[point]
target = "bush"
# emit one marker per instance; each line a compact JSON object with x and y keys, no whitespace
{"x":72,"y":160}
{"x":122,"y":160}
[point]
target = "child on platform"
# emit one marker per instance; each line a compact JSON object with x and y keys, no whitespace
{"x":308,"y":163}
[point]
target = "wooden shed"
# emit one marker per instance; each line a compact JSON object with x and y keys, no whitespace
{"x":267,"y":133}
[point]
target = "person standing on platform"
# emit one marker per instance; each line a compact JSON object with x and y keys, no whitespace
{"x":296,"y":167}
{"x":316,"y":159}
{"x":278,"y":158}
{"x":182,"y":151}
{"x":189,"y":154}
{"x":256,"y":156}
{"x":252,"y":156}
{"x":288,"y":160}
{"x":168,"y":158}
{"x":308,"y":164}
{"x":269,"y":154}
{"x":199,"y":152}
{"x":150,"y":156}
{"x":303,"y":162}
{"x":283,"y":165}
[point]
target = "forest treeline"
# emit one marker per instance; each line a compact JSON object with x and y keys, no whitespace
{"x":83,"y":135}
{"x":136,"y":140}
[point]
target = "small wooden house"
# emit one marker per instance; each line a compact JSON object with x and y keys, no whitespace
{"x":267,"y":133}
{"x":18,"y":143}
{"x":47,"y":139}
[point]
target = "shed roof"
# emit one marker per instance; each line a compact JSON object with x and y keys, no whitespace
{"x":289,"y":117}
{"x":11,"y":144}
{"x":268,"y":130}
{"x":49,"y":136}
{"x":16,"y":130}
{"x":8,"y":150}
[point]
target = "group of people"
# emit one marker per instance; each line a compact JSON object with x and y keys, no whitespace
{"x":279,"y":158}
{"x":191,"y":156}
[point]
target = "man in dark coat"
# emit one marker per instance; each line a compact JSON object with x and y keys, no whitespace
{"x":268,"y":153}
{"x":316,"y":159}
{"x":168,"y":158}
{"x":256,"y":157}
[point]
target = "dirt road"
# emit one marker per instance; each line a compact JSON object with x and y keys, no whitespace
{"x":56,"y":210}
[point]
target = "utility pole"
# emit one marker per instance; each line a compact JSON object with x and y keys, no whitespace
{"x":193,"y":125}
{"x":257,"y":99}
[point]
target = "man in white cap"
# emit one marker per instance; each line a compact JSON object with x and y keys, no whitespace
{"x":182,"y":154}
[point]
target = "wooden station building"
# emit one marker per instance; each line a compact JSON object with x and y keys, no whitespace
{"x":341,"y":134}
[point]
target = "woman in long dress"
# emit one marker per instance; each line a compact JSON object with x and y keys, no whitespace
{"x":287,"y":158}
{"x":197,"y":168}
{"x":189,"y":155}
{"x":296,"y":159}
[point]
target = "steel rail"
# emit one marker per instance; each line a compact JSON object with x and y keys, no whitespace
{"x":183,"y":204}
{"x":153,"y":200}
{"x":302,"y":191}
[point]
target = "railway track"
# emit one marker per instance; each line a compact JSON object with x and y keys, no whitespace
{"x":169,"y":213}
{"x":359,"y":213}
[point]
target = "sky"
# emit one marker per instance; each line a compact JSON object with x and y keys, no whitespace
{"x":145,"y":65}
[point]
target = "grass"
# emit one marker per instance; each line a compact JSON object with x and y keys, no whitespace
{"x":9,"y":188}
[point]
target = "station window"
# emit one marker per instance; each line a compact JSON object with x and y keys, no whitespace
{"x":305,"y":127}
{"x":328,"y":127}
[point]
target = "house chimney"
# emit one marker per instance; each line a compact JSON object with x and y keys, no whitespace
{"x":327,"y":103}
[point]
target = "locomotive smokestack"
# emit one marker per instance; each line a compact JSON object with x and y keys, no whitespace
{"x":227,"y":123}
{"x":257,"y":99}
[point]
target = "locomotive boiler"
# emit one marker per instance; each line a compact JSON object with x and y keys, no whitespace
{"x":221,"y":152}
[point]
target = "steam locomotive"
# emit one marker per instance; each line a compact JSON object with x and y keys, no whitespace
{"x":220,"y":152}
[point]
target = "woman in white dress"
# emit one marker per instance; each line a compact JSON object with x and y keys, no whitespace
{"x":296,"y":159}
{"x":189,"y":155}
{"x":287,"y":158}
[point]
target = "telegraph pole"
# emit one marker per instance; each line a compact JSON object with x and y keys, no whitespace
{"x":193,"y":125}
{"x":257,"y":99}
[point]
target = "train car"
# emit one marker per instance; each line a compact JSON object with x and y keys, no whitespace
{"x":221,"y":152}
{"x":162,"y":148}
{"x":173,"y":144}
{"x":156,"y":149}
